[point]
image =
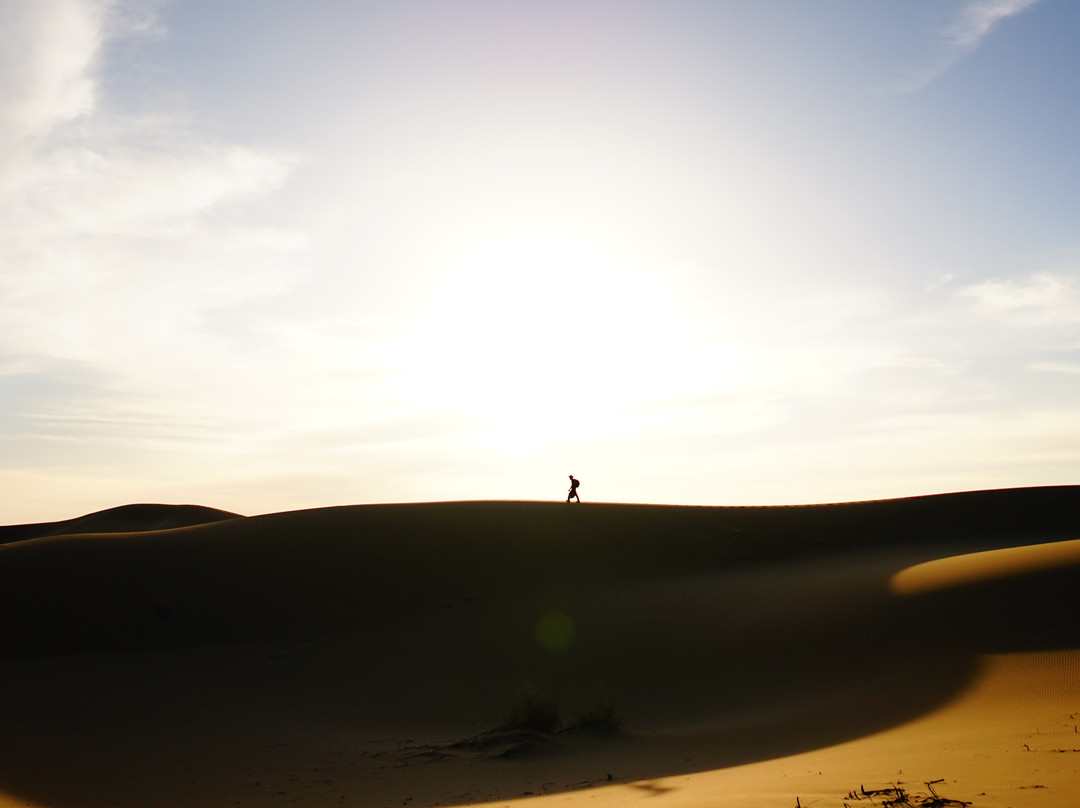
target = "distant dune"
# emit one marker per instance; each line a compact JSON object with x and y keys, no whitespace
{"x":125,"y":519}
{"x":363,"y":655}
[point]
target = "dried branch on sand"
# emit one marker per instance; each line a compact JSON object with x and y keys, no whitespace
{"x":896,"y":796}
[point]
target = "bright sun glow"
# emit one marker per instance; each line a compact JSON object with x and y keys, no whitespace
{"x":540,"y":337}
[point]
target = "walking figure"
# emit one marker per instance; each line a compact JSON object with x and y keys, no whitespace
{"x":573,"y":489}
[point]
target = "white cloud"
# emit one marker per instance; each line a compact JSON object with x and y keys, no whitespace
{"x":48,"y":52}
{"x":1065,"y":368}
{"x":118,"y":188}
{"x":940,"y":281}
{"x":123,"y":234}
{"x":1043,"y":298}
{"x":976,"y":19}
{"x":47,"y":48}
{"x":962,"y":36}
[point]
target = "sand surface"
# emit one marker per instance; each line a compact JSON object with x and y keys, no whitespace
{"x":370,"y":655}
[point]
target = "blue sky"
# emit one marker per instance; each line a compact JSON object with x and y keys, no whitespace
{"x":270,"y":255}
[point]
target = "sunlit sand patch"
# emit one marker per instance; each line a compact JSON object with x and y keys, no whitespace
{"x":990,"y":565}
{"x":1005,"y":742}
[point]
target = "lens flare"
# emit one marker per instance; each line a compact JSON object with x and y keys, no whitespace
{"x":556,"y":631}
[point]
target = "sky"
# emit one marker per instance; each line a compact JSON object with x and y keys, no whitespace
{"x":264,"y":255}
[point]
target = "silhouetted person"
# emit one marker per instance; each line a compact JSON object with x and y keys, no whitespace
{"x":573,"y":489}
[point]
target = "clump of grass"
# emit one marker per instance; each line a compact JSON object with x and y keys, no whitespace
{"x":533,"y":711}
{"x":599,"y":717}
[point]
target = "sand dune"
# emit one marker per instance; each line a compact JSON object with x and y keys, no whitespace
{"x":125,"y":519}
{"x":359,"y":655}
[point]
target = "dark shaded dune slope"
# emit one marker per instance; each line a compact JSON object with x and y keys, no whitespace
{"x":123,"y":519}
{"x":318,"y":570}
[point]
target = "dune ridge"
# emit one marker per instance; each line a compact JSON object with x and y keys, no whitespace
{"x":122,"y":519}
{"x":376,"y":639}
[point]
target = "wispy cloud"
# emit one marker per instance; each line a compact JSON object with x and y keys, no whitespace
{"x":48,"y":49}
{"x":123,"y":232}
{"x":1066,"y":368}
{"x":975,"y":20}
{"x":1043,"y":298}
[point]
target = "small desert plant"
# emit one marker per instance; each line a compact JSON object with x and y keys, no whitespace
{"x":599,"y":717}
{"x":533,"y":710}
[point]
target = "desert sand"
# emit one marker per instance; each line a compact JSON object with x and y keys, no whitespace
{"x":407,"y":655}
